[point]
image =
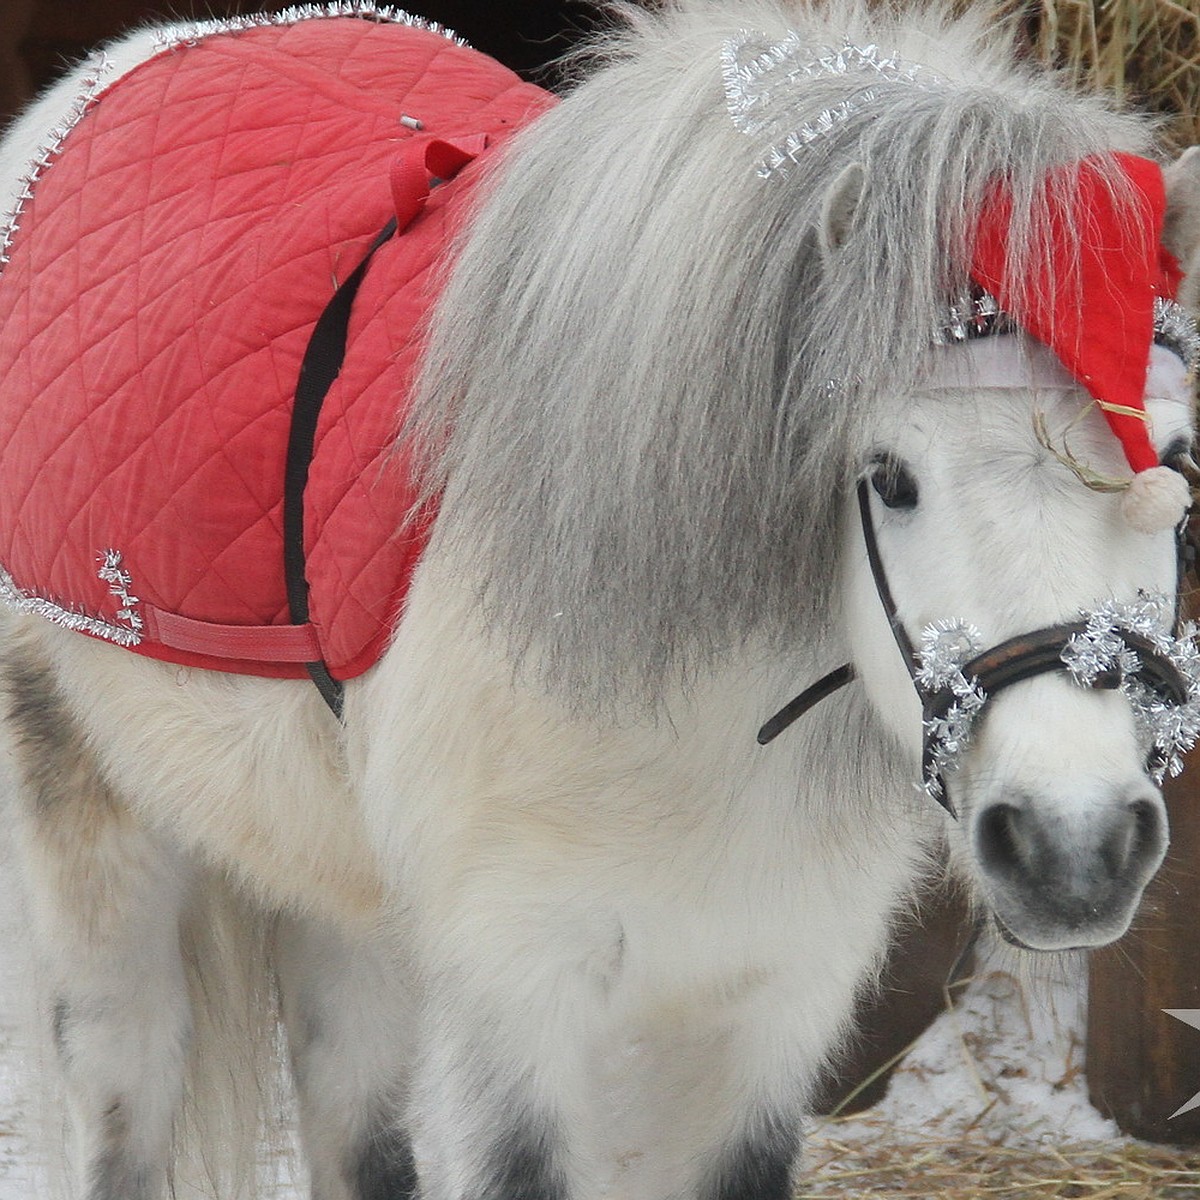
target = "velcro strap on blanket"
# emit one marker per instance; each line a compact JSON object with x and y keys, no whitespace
{"x":251,"y":643}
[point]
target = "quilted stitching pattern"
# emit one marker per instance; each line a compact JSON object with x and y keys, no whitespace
{"x":161,"y":290}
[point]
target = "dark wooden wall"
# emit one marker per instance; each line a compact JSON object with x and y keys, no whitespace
{"x":1142,"y":1063}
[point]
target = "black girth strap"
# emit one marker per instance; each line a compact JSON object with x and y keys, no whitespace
{"x":321,"y":365}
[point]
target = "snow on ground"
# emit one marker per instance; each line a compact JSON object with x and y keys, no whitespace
{"x":992,"y":1101}
{"x":1006,"y":1062}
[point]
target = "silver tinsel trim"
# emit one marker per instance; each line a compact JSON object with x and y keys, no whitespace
{"x":758,"y":74}
{"x":112,"y":573}
{"x":976,"y":316}
{"x":1175,"y":328}
{"x":188,"y":34}
{"x":120,"y":583}
{"x":94,"y":79}
{"x":948,"y":738}
{"x":1170,"y":729}
{"x":946,"y":647}
{"x":980,"y":315}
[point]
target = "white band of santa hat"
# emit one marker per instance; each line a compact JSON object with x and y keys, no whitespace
{"x":1143,"y":345}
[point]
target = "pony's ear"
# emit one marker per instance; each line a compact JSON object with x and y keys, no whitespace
{"x":840,"y":204}
{"x":1181,"y":231}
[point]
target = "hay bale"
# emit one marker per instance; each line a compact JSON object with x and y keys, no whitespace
{"x":1145,"y":53}
{"x":970,"y":1167}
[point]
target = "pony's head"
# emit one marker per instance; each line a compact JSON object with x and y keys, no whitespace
{"x":1030,"y":493}
{"x":1028,"y":496}
{"x":1049,"y":748}
{"x":715,"y":278}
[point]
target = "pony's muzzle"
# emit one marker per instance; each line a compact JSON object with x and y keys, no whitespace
{"x":1055,"y":884}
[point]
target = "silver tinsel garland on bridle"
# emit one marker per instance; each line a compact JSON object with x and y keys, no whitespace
{"x":1100,"y":652}
{"x":946,"y":647}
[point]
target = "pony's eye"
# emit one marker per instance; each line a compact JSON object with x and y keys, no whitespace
{"x":894,"y":482}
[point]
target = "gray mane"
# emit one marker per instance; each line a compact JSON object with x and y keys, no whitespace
{"x":647,"y":390}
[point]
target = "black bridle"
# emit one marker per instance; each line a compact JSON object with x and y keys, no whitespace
{"x":1018,"y":658}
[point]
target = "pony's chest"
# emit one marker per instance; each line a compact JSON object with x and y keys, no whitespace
{"x":165,"y":274}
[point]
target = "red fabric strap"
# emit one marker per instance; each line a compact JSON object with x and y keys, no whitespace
{"x":261,"y":643}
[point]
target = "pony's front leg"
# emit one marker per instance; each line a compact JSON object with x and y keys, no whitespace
{"x":106,"y":897}
{"x":556,"y":1086}
{"x":349,"y":1018}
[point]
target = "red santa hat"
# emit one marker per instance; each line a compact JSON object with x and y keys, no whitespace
{"x":1092,"y":301}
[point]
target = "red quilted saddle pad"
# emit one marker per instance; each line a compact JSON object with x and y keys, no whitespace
{"x":164,"y":274}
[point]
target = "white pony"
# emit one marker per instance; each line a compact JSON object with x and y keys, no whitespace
{"x":545,"y":920}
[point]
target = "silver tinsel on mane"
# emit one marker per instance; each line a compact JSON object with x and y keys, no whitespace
{"x":760,"y":77}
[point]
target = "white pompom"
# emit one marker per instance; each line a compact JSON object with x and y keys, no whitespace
{"x":1155,"y":500}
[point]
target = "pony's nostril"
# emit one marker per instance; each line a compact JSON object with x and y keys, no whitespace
{"x":1136,"y":841}
{"x":1003,"y":844}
